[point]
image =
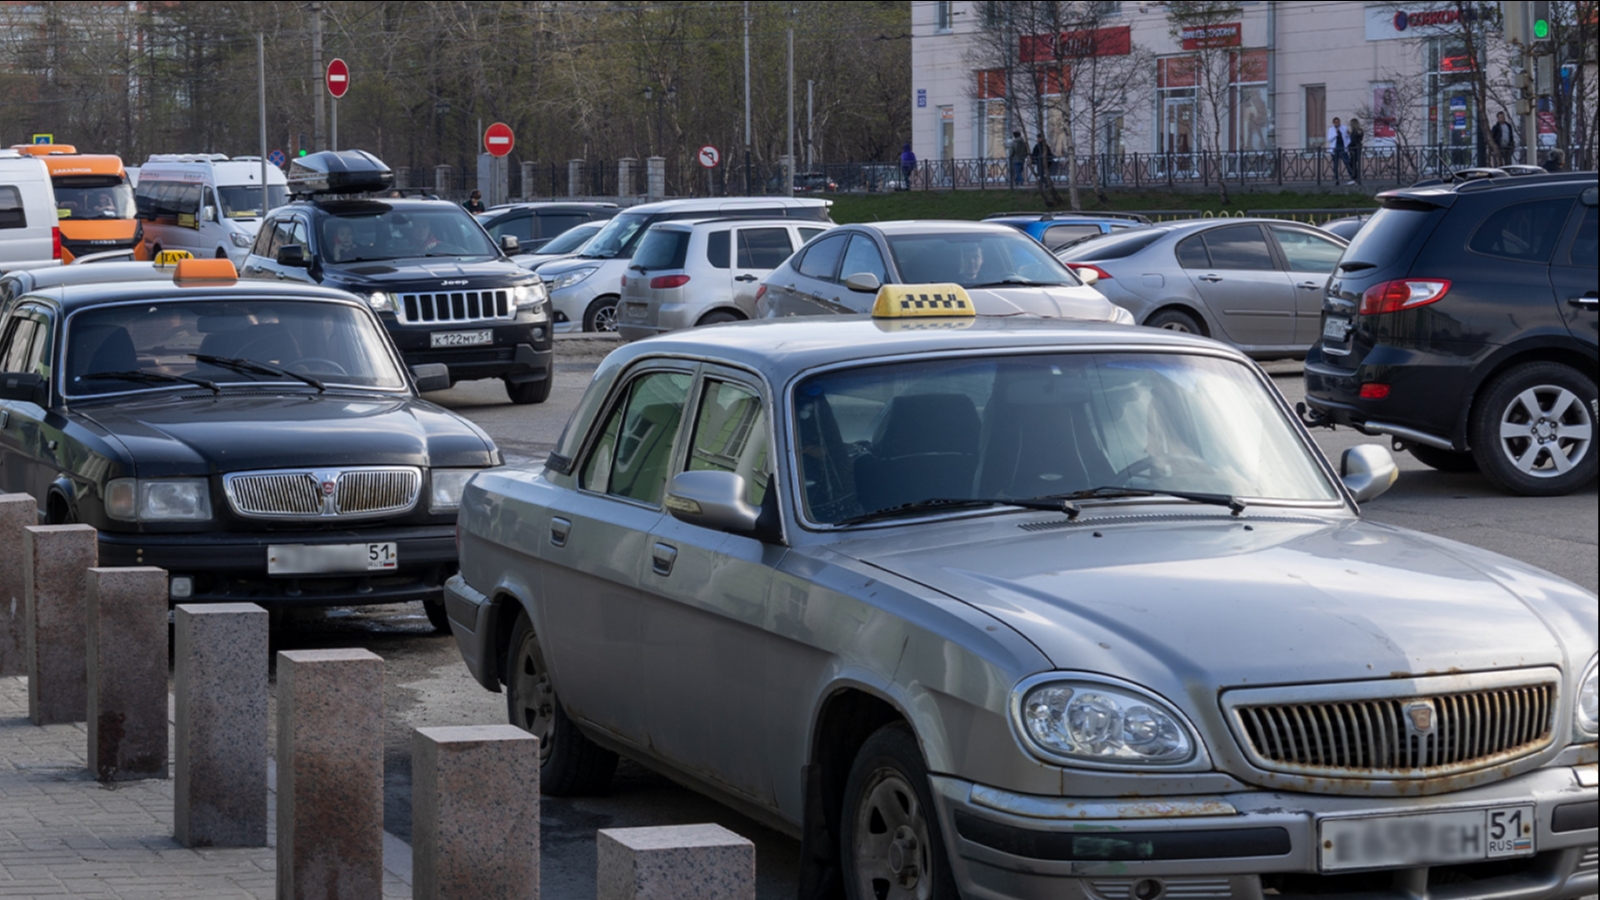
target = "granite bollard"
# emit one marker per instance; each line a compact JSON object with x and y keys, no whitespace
{"x":127,"y":658}
{"x":475,"y":813}
{"x":674,"y":862}
{"x":220,"y":753}
{"x":55,"y":571}
{"x":17,"y":511}
{"x":330,"y":775}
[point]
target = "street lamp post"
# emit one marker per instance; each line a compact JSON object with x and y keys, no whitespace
{"x":671,"y":96}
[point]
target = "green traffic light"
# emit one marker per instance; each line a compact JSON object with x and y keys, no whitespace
{"x":1541,"y":28}
{"x":302,"y":153}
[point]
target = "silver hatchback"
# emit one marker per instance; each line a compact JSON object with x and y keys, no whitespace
{"x":702,"y":272}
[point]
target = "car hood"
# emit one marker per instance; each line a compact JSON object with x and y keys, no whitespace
{"x":399,"y":271}
{"x":193,"y":436}
{"x":1082,"y":303}
{"x":1209,"y":600}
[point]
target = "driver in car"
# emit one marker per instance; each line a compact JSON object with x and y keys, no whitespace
{"x":343,"y":248}
{"x":423,"y":238}
{"x":971,"y":263}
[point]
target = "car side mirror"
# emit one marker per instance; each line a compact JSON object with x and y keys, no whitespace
{"x":1087,"y":276}
{"x":209,"y":214}
{"x":712,"y":500}
{"x":1368,"y":471}
{"x":431,"y":377}
{"x":509,"y":245}
{"x":863,"y":282}
{"x":293,"y":256}
{"x":26,"y":386}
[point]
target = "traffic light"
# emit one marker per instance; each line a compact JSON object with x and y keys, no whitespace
{"x":1539,"y":13}
{"x":302,"y":152}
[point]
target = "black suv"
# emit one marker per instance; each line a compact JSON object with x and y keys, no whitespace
{"x":1462,"y":321}
{"x":537,"y":224}
{"x":445,"y":291}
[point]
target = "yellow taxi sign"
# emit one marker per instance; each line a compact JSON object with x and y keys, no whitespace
{"x":168,"y":258}
{"x":920,"y":301}
{"x":205,"y":271}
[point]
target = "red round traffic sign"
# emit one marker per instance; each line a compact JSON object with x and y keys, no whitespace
{"x":498,"y":139}
{"x":338,"y":78}
{"x":709,"y":156}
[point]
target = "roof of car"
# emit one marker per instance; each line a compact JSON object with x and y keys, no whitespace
{"x":725,"y":204}
{"x":95,"y":273}
{"x":1066,"y":217}
{"x":70,"y":298}
{"x":685,"y":224}
{"x":935,"y":226}
{"x":551,"y":205}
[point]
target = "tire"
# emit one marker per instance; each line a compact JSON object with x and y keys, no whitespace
{"x":719,"y":316}
{"x":221,"y":253}
{"x":569,"y":763}
{"x":437,"y":617}
{"x":1175,"y":320}
{"x":601,"y":315}
{"x":890,"y":844}
{"x":1533,"y":430}
{"x":1443,"y":460}
{"x":530,"y":391}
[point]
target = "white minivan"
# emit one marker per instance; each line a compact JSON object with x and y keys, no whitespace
{"x":205,"y":203}
{"x":29,"y":236}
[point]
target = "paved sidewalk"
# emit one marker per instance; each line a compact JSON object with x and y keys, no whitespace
{"x":63,"y":834}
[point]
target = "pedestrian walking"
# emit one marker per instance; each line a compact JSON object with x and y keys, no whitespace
{"x":1504,"y":138}
{"x":1555,"y":162}
{"x":474,"y":203}
{"x":1044,"y":159}
{"x":908,"y":164}
{"x":1356,"y":137}
{"x":1339,"y":149}
{"x":1019,"y":158}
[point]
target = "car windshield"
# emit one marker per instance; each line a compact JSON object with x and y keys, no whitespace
{"x":378,"y":231}
{"x":616,"y":238}
{"x":244,"y":201}
{"x":93,"y":197}
{"x":571,"y":239}
{"x":1027,"y":426}
{"x":152,"y":346}
{"x":976,"y":259}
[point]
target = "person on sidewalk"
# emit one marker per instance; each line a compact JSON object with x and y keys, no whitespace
{"x":1504,"y":138}
{"x":908,"y":164}
{"x":1018,"y":156}
{"x":474,"y":203}
{"x":1356,"y":137}
{"x":1339,"y":148}
{"x":1044,"y":159}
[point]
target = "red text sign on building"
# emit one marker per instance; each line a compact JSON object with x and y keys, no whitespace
{"x":338,"y":78}
{"x":1201,"y":37}
{"x":498,"y":139}
{"x":1116,"y":41}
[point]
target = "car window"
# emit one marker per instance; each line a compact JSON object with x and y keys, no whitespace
{"x":717,"y":252}
{"x":1191,"y":252}
{"x":983,"y":258}
{"x":662,"y":248}
{"x":297,"y":233}
{"x":1306,"y":252}
{"x":16,"y":351}
{"x":282,"y":236}
{"x":1114,"y":246}
{"x":553,"y":224}
{"x":631,"y":457}
{"x":1585,"y":251}
{"x":1526,"y":232}
{"x":763,"y":248}
{"x":265,"y":240}
{"x":1058,"y":236}
{"x":520,"y":227}
{"x":572,"y":239}
{"x":863,"y":257}
{"x":730,"y":435}
{"x":12,"y":215}
{"x":1239,"y":247}
{"x":822,"y":258}
{"x":808,"y":234}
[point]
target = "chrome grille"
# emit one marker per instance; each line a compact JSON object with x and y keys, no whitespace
{"x":1376,"y":738}
{"x":275,"y":494}
{"x":378,"y":491}
{"x":455,"y":306}
{"x":320,"y":494}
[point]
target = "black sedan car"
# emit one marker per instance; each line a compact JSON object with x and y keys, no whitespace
{"x":261,"y":442}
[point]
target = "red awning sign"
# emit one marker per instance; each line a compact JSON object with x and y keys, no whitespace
{"x":338,"y":78}
{"x":498,"y":139}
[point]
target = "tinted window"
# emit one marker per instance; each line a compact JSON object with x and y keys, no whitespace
{"x":1058,"y":236}
{"x":763,"y":248}
{"x":1192,"y":253}
{"x":11,"y":212}
{"x":97,"y":197}
{"x":386,"y":232}
{"x":730,"y":435}
{"x":1239,"y":247}
{"x":1306,"y":252}
{"x":618,"y":237}
{"x":630,"y":458}
{"x":822,"y":258}
{"x":520,"y":227}
{"x":1388,"y":235}
{"x":1584,"y":250}
{"x":571,"y":240}
{"x":553,"y":224}
{"x":806,"y":234}
{"x":717,"y":252}
{"x":17,"y":351}
{"x":1113,"y":246}
{"x":1525,"y":231}
{"x":662,"y":249}
{"x":863,"y":256}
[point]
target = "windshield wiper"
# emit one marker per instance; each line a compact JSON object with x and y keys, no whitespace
{"x":1234,"y":504}
{"x":1028,"y":282}
{"x":152,"y":378}
{"x":1049,"y":504}
{"x":260,"y":368}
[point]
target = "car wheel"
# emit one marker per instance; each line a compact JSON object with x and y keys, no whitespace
{"x":890,"y":841}
{"x":221,"y":253}
{"x":1533,"y":430}
{"x":569,"y":763}
{"x":717,"y":317}
{"x":437,"y":617}
{"x":529,"y":391}
{"x":1443,"y":460}
{"x":601,"y":315}
{"x":1174,"y":320}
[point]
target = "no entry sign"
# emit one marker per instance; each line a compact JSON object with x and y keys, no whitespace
{"x":498,"y":139}
{"x":338,"y":78}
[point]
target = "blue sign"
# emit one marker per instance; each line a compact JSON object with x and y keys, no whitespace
{"x":277,"y":158}
{"x":922,"y":98}
{"x":44,"y":139}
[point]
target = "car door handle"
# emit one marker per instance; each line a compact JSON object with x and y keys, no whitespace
{"x":1585,"y":302}
{"x":558,"y":531}
{"x":5,"y":418}
{"x":1211,"y":278}
{"x":662,"y":556}
{"x":1311,"y":285}
{"x":744,"y":278}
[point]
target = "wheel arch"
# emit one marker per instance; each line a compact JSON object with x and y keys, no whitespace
{"x":729,"y":308}
{"x":1207,"y":327}
{"x":1567,"y":353}
{"x":504,"y":608}
{"x":61,"y":502}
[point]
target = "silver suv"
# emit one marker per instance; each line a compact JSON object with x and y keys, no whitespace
{"x":700,"y":272}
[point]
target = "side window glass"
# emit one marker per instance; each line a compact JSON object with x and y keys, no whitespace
{"x":730,"y":435}
{"x":763,"y":248}
{"x":1192,"y":253}
{"x":1585,"y":251}
{"x":38,"y":360}
{"x":297,"y":233}
{"x":1526,"y":232}
{"x":717,"y":249}
{"x":263,"y":244}
{"x":822,"y":258}
{"x":281,"y":236}
{"x":15,"y":351}
{"x":1058,"y":236}
{"x":1239,"y":247}
{"x":863,"y":257}
{"x":12,"y":215}
{"x":1305,"y":251}
{"x":635,"y":448}
{"x":807,"y":235}
{"x":521,"y":227}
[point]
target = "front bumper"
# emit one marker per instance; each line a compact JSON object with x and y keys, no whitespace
{"x":1238,"y":846}
{"x":521,"y":351}
{"x":231,"y":567}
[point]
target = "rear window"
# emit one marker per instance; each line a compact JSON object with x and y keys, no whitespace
{"x":11,"y":212}
{"x":1113,"y":246}
{"x":1526,"y":232}
{"x":1388,"y":235}
{"x":662,"y":249}
{"x":1058,"y":236}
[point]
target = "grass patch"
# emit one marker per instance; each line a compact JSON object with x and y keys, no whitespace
{"x":849,"y":208}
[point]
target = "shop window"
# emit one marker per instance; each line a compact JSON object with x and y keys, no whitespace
{"x":1316,"y":115}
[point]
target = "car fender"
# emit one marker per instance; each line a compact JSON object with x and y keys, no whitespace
{"x":1548,"y":346}
{"x":1183,"y":304}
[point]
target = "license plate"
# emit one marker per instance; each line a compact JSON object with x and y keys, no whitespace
{"x":1336,"y":329}
{"x":460,"y":338}
{"x":1425,"y":839}
{"x":637,"y":310}
{"x":331,"y":559}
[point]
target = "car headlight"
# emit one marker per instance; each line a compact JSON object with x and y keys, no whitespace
{"x":158,"y":500}
{"x":530,"y":299}
{"x":448,"y":486}
{"x":568,"y":279}
{"x":381,"y":302}
{"x":241,"y":240}
{"x":1085,"y":721}
{"x":1587,"y":715}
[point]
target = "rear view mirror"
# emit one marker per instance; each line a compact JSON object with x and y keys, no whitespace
{"x":293,"y":256}
{"x":25,"y":386}
{"x":863,"y":282}
{"x":712,"y":500}
{"x":509,"y":245}
{"x":431,"y":377}
{"x":1368,"y":471}
{"x":1087,"y":276}
{"x":209,"y":214}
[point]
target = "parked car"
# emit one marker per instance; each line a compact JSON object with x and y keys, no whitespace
{"x":1255,"y":283}
{"x":445,"y":292}
{"x":93,"y":200}
{"x":567,"y":245}
{"x":1010,"y":608}
{"x":205,"y":203}
{"x":804,"y":183}
{"x":26,"y":281}
{"x":1057,"y":231}
{"x":1005,"y":273}
{"x":536,"y":224}
{"x":1462,"y":321}
{"x":584,"y":289}
{"x":703,"y":271}
{"x":29,"y":234}
{"x":260,"y":441}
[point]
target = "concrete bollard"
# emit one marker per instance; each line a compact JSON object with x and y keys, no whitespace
{"x":675,"y":862}
{"x":17,"y":511}
{"x":127,"y":654}
{"x":475,"y":813}
{"x":655,"y":177}
{"x":55,"y":569}
{"x":220,"y":675}
{"x":330,"y":775}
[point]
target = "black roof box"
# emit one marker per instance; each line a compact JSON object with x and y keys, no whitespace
{"x":339,"y":172}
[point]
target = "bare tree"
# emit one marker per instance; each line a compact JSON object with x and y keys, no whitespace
{"x":1209,"y":29}
{"x":1109,"y":74}
{"x":1396,"y":112}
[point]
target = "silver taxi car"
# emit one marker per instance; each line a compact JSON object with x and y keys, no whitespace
{"x":1026,"y":609}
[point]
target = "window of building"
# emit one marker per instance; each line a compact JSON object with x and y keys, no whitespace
{"x":1451,"y":118}
{"x":1248,"y":73}
{"x":943,"y":16}
{"x":1316,"y":107}
{"x":947,"y":132}
{"x":1176,"y":78}
{"x":1111,"y":134}
{"x":992,"y":113}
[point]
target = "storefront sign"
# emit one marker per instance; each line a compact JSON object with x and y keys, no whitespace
{"x":1116,"y":41}
{"x":1385,"y":23}
{"x":1201,"y":37}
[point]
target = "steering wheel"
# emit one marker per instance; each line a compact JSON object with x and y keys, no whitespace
{"x":1163,"y":465}
{"x":305,"y":367}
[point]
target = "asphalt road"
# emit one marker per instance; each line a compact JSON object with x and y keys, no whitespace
{"x":427,"y":685}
